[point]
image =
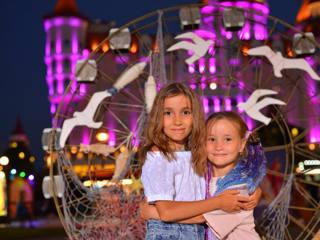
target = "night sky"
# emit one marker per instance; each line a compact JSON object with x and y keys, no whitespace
{"x":22,"y":70}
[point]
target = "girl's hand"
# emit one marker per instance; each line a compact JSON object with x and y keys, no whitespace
{"x":253,"y":200}
{"x":231,"y":201}
{"x":148,"y":211}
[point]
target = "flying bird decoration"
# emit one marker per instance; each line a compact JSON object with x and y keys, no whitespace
{"x":86,"y":117}
{"x":199,"y":47}
{"x":252,"y":107}
{"x":279,"y":62}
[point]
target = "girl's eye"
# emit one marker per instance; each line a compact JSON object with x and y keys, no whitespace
{"x":211,"y":139}
{"x":186,"y":112}
{"x":228,"y":139}
{"x":167,"y":113}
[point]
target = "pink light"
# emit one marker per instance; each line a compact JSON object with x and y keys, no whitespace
{"x":60,"y":87}
{"x":47,"y":25}
{"x":58,"y":21}
{"x":242,"y":4}
{"x":59,"y":67}
{"x":212,"y":50}
{"x":207,"y":9}
{"x":227,"y":4}
{"x":239,"y":100}
{"x":58,"y":42}
{"x":53,"y":108}
{"x":250,"y":123}
{"x":202,"y":65}
{"x":208,"y":19}
{"x":205,"y":103}
{"x":313,"y":139}
{"x":74,"y":42}
{"x":310,"y":60}
{"x":234,"y":61}
{"x":216,"y":104}
{"x":244,"y":33}
{"x":227,"y":103}
{"x":75,"y":22}
{"x":191,"y":68}
{"x":83,"y":88}
{"x":85,"y":137}
{"x":260,"y":32}
{"x":241,"y":84}
{"x":205,"y":34}
{"x":203,"y":85}
{"x":193,"y":86}
{"x":121,"y":59}
{"x":228,"y":35}
{"x":212,"y":65}
{"x":261,"y":7}
{"x":85,"y":53}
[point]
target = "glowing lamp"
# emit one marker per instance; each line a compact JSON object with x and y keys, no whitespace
{"x":294,"y":132}
{"x":74,"y":149}
{"x":213,"y":86}
{"x":21,"y":155}
{"x":233,"y":19}
{"x":190,"y":17}
{"x":13,"y":144}
{"x":102,"y":136}
{"x":51,"y":187}
{"x":13,"y":171}
{"x":312,"y":146}
{"x":22,"y":174}
{"x":4,"y":160}
{"x":303,"y":44}
{"x":123,"y":149}
{"x":32,"y":159}
{"x":31,"y":177}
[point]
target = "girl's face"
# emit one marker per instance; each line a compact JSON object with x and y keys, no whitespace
{"x":224,"y":143}
{"x":177,"y":120}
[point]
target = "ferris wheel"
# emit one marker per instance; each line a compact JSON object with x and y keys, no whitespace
{"x":228,"y":55}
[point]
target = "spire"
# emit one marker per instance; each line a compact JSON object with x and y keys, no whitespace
{"x":66,"y":7}
{"x":309,"y":9}
{"x":18,"y":133}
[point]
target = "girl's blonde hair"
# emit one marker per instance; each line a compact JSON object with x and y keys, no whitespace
{"x":240,"y":123}
{"x":154,"y":136}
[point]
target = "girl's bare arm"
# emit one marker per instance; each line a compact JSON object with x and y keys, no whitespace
{"x":174,"y":211}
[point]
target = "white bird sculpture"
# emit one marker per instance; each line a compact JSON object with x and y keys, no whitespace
{"x":199,"y":47}
{"x":279,"y":62}
{"x":252,"y":107}
{"x":150,"y":92}
{"x":85,"y":117}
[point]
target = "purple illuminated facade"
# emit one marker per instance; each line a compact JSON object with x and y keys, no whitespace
{"x":65,"y":40}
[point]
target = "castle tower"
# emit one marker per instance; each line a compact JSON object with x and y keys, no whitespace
{"x":65,"y":32}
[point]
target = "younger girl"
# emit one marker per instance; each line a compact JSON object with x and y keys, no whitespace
{"x":234,"y":160}
{"x":174,"y":163}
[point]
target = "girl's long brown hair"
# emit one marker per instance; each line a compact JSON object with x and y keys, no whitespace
{"x":154,"y":136}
